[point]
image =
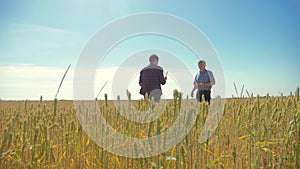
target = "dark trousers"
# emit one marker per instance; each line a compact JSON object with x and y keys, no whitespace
{"x":206,"y":94}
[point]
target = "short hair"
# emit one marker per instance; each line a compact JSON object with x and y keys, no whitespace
{"x":201,"y":61}
{"x":153,"y":58}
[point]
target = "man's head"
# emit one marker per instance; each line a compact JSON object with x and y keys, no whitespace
{"x":153,"y":59}
{"x":201,"y":65}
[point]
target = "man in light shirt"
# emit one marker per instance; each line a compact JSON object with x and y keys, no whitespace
{"x":204,"y":80}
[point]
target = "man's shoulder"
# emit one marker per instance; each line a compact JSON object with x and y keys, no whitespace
{"x":151,"y":67}
{"x":208,"y":71}
{"x":158,"y":67}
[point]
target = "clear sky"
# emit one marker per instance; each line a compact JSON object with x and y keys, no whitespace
{"x":258,"y":43}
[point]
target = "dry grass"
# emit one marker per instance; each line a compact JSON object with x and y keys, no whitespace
{"x":253,"y":133}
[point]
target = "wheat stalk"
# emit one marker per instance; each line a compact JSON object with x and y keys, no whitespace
{"x":101,"y":89}
{"x":62,"y":81}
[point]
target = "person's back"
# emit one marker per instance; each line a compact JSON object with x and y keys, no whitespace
{"x":151,"y":78}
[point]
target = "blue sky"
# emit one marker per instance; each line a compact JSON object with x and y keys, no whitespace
{"x":257,"y":42}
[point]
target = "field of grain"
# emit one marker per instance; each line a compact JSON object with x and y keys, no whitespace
{"x":255,"y":132}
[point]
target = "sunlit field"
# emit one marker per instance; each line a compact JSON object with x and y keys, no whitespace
{"x":254,"y":132}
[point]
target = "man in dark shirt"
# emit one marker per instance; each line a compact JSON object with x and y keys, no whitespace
{"x":151,"y":78}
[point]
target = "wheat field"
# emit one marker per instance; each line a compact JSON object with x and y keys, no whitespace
{"x":254,"y":132}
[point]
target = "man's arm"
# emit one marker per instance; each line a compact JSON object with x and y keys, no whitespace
{"x":140,"y":80}
{"x":206,"y":84}
{"x":162,"y":78}
{"x":195,"y":86}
